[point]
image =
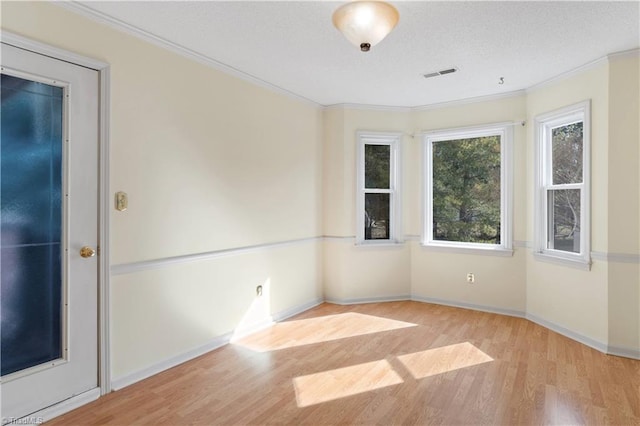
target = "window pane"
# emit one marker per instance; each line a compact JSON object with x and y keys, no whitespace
{"x":564,"y":220}
{"x":377,"y":166}
{"x":567,"y":154}
{"x":31,"y":223}
{"x":376,"y":216}
{"x":466,"y":190}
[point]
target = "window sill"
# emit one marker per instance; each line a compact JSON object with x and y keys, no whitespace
{"x":379,"y":243}
{"x":578,"y":263}
{"x":486,"y":251}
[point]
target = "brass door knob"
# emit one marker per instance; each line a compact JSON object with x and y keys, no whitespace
{"x":87,"y":252}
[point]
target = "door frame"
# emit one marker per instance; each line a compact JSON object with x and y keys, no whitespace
{"x":104,"y":203}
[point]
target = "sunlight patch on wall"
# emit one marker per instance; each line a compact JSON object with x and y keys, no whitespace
{"x":342,"y":382}
{"x":258,"y":315}
{"x":442,"y":360}
{"x":317,"y":330}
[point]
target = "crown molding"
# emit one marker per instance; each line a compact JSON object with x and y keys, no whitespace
{"x":119,"y":25}
{"x":365,"y":107}
{"x":631,"y":53}
{"x":473,"y":100}
{"x":438,"y":105}
{"x":568,"y":74}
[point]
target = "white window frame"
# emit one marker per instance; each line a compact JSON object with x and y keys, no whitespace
{"x":505,"y":131}
{"x":544,"y":124}
{"x":395,"y":208}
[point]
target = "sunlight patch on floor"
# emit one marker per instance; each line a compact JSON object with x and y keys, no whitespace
{"x":442,"y":360}
{"x":317,"y":330}
{"x":342,"y":382}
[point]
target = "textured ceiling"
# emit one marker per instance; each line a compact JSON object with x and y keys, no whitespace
{"x":294,"y":46}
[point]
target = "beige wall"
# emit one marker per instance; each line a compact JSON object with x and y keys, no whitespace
{"x":624,"y":202}
{"x":334,"y":197}
{"x":500,"y":282}
{"x":356,"y":273}
{"x":210,"y":162}
{"x":603,"y":304}
{"x":359,"y":272}
{"x":624,"y":154}
{"x":165,"y":312}
{"x":597,"y":306}
{"x":353,"y":272}
{"x":570,"y":298}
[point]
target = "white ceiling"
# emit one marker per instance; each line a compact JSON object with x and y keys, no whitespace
{"x":294,"y":46}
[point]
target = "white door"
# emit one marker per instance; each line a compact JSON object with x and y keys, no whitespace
{"x":49,"y":212}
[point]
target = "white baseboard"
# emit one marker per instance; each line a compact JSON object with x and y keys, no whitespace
{"x":288,"y":313}
{"x":129,"y":379}
{"x":624,"y":352}
{"x":602,"y":347}
{"x":126,"y":380}
{"x":250,"y":329}
{"x":472,"y":306}
{"x":59,"y":409}
{"x":361,"y":300}
{"x":268,"y":322}
{"x":632,"y":353}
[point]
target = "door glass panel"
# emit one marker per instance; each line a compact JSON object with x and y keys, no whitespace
{"x":31,"y":223}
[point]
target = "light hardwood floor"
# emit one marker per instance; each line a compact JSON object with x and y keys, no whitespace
{"x":385,"y":363}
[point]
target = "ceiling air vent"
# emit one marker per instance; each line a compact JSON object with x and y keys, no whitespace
{"x":443,"y":72}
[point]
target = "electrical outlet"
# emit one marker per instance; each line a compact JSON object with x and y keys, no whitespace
{"x":259,"y":290}
{"x":471,"y":278}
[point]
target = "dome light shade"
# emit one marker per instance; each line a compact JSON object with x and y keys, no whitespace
{"x":365,"y":23}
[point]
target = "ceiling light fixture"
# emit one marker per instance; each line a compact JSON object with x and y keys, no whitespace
{"x":365,"y":23}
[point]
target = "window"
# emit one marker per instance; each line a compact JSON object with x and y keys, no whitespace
{"x":562,"y":185}
{"x":378,"y":203}
{"x":468,"y":189}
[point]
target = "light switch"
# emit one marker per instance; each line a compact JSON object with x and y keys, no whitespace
{"x":121,"y":201}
